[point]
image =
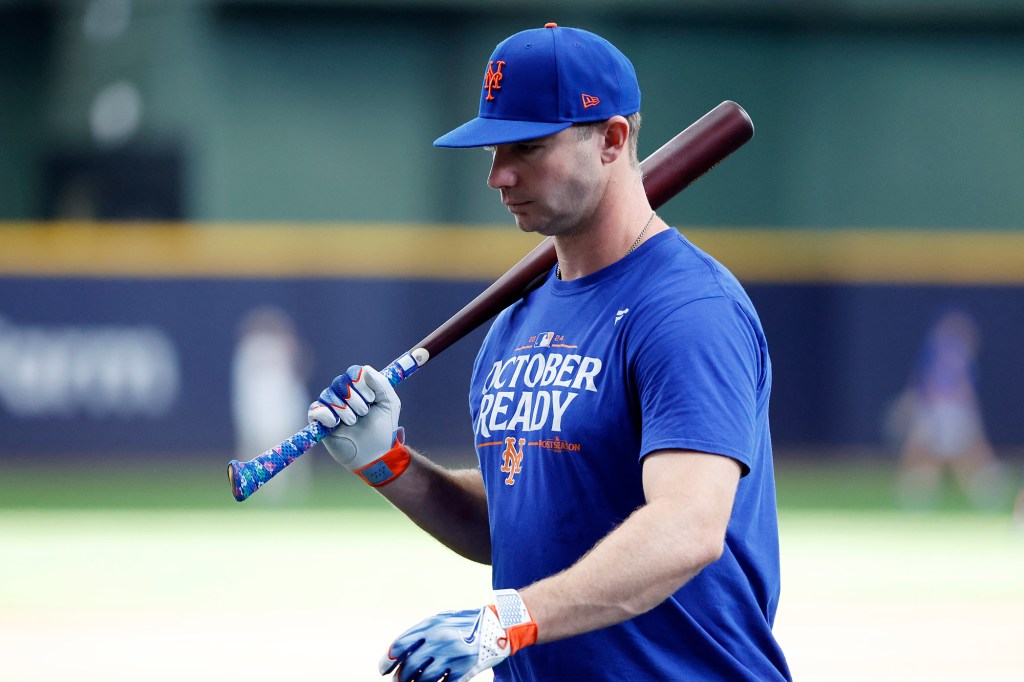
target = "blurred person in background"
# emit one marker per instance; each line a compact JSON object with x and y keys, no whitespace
{"x":625,"y":497}
{"x":939,"y":423}
{"x":269,"y":393}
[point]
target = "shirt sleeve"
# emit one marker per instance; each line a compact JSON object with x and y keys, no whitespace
{"x":697,"y":372}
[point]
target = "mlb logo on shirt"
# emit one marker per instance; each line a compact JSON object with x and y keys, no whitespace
{"x":544,"y":340}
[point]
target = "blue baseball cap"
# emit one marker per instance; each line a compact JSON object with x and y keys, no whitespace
{"x":541,"y":81}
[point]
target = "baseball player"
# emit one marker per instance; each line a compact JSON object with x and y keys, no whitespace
{"x":625,"y":496}
{"x":944,"y":427}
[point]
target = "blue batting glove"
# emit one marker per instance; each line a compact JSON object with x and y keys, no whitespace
{"x":362,"y":407}
{"x":457,"y":645}
{"x":345,"y":400}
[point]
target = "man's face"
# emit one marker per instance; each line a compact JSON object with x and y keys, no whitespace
{"x":551,"y":185}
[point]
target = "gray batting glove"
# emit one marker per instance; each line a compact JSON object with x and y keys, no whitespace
{"x":362,"y":407}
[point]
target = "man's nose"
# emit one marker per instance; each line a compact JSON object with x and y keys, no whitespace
{"x":502,"y":174}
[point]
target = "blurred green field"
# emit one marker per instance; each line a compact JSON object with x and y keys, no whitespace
{"x":852,"y":483}
{"x":125,"y":575}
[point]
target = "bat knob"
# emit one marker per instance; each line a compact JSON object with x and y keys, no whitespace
{"x":242,"y":485}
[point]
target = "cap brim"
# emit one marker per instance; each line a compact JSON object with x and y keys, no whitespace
{"x":486,"y":132}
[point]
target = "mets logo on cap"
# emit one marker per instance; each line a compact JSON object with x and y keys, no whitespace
{"x":492,"y":79}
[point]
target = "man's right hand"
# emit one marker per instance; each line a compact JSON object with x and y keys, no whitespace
{"x":368,"y":441}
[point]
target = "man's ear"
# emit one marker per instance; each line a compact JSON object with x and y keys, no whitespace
{"x":615,"y":141}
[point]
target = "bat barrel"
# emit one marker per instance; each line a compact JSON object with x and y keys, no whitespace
{"x":695,"y":151}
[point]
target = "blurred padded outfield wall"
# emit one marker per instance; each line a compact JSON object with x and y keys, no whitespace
{"x":279,"y":153}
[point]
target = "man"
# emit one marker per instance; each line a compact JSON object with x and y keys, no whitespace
{"x":625,"y":497}
{"x":943,"y":424}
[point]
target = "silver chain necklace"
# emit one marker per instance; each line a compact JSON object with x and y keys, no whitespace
{"x":636,"y":243}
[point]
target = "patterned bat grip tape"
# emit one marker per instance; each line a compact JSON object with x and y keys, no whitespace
{"x":248,"y":477}
{"x":400,"y":370}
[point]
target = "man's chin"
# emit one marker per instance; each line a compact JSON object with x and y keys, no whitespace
{"x":524,"y":223}
{"x":531,"y":222}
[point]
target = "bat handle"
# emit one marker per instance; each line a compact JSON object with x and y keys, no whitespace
{"x":402,"y":368}
{"x":248,"y":477}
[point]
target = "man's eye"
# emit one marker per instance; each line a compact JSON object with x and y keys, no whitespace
{"x":526,"y":147}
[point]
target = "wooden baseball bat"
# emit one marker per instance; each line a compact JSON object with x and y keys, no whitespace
{"x":668,"y":171}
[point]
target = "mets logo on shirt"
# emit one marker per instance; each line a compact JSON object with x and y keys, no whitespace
{"x":512,"y":459}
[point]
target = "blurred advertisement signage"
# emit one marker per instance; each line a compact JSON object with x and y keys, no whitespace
{"x":101,"y":371}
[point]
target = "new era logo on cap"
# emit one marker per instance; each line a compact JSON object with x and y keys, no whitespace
{"x":589,"y":101}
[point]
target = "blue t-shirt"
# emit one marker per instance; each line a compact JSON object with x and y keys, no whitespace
{"x":573,"y":386}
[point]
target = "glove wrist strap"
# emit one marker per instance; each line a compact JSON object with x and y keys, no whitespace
{"x":516,"y":619}
{"x":388,"y":467}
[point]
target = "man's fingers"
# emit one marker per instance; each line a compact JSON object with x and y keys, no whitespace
{"x":330,"y":410}
{"x":323,"y":412}
{"x":418,"y":667}
{"x":397,"y":653}
{"x":347,"y":398}
{"x":351,"y":388}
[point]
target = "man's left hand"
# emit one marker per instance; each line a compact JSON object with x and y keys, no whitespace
{"x":456,"y":645}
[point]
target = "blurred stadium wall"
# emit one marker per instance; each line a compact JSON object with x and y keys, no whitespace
{"x":167,"y":166}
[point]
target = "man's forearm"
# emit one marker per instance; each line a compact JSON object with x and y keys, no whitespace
{"x":653,"y":553}
{"x":448,"y":504}
{"x":633,"y":569}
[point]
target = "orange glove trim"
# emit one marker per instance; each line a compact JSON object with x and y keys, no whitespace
{"x":520,"y":636}
{"x":388,"y":467}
